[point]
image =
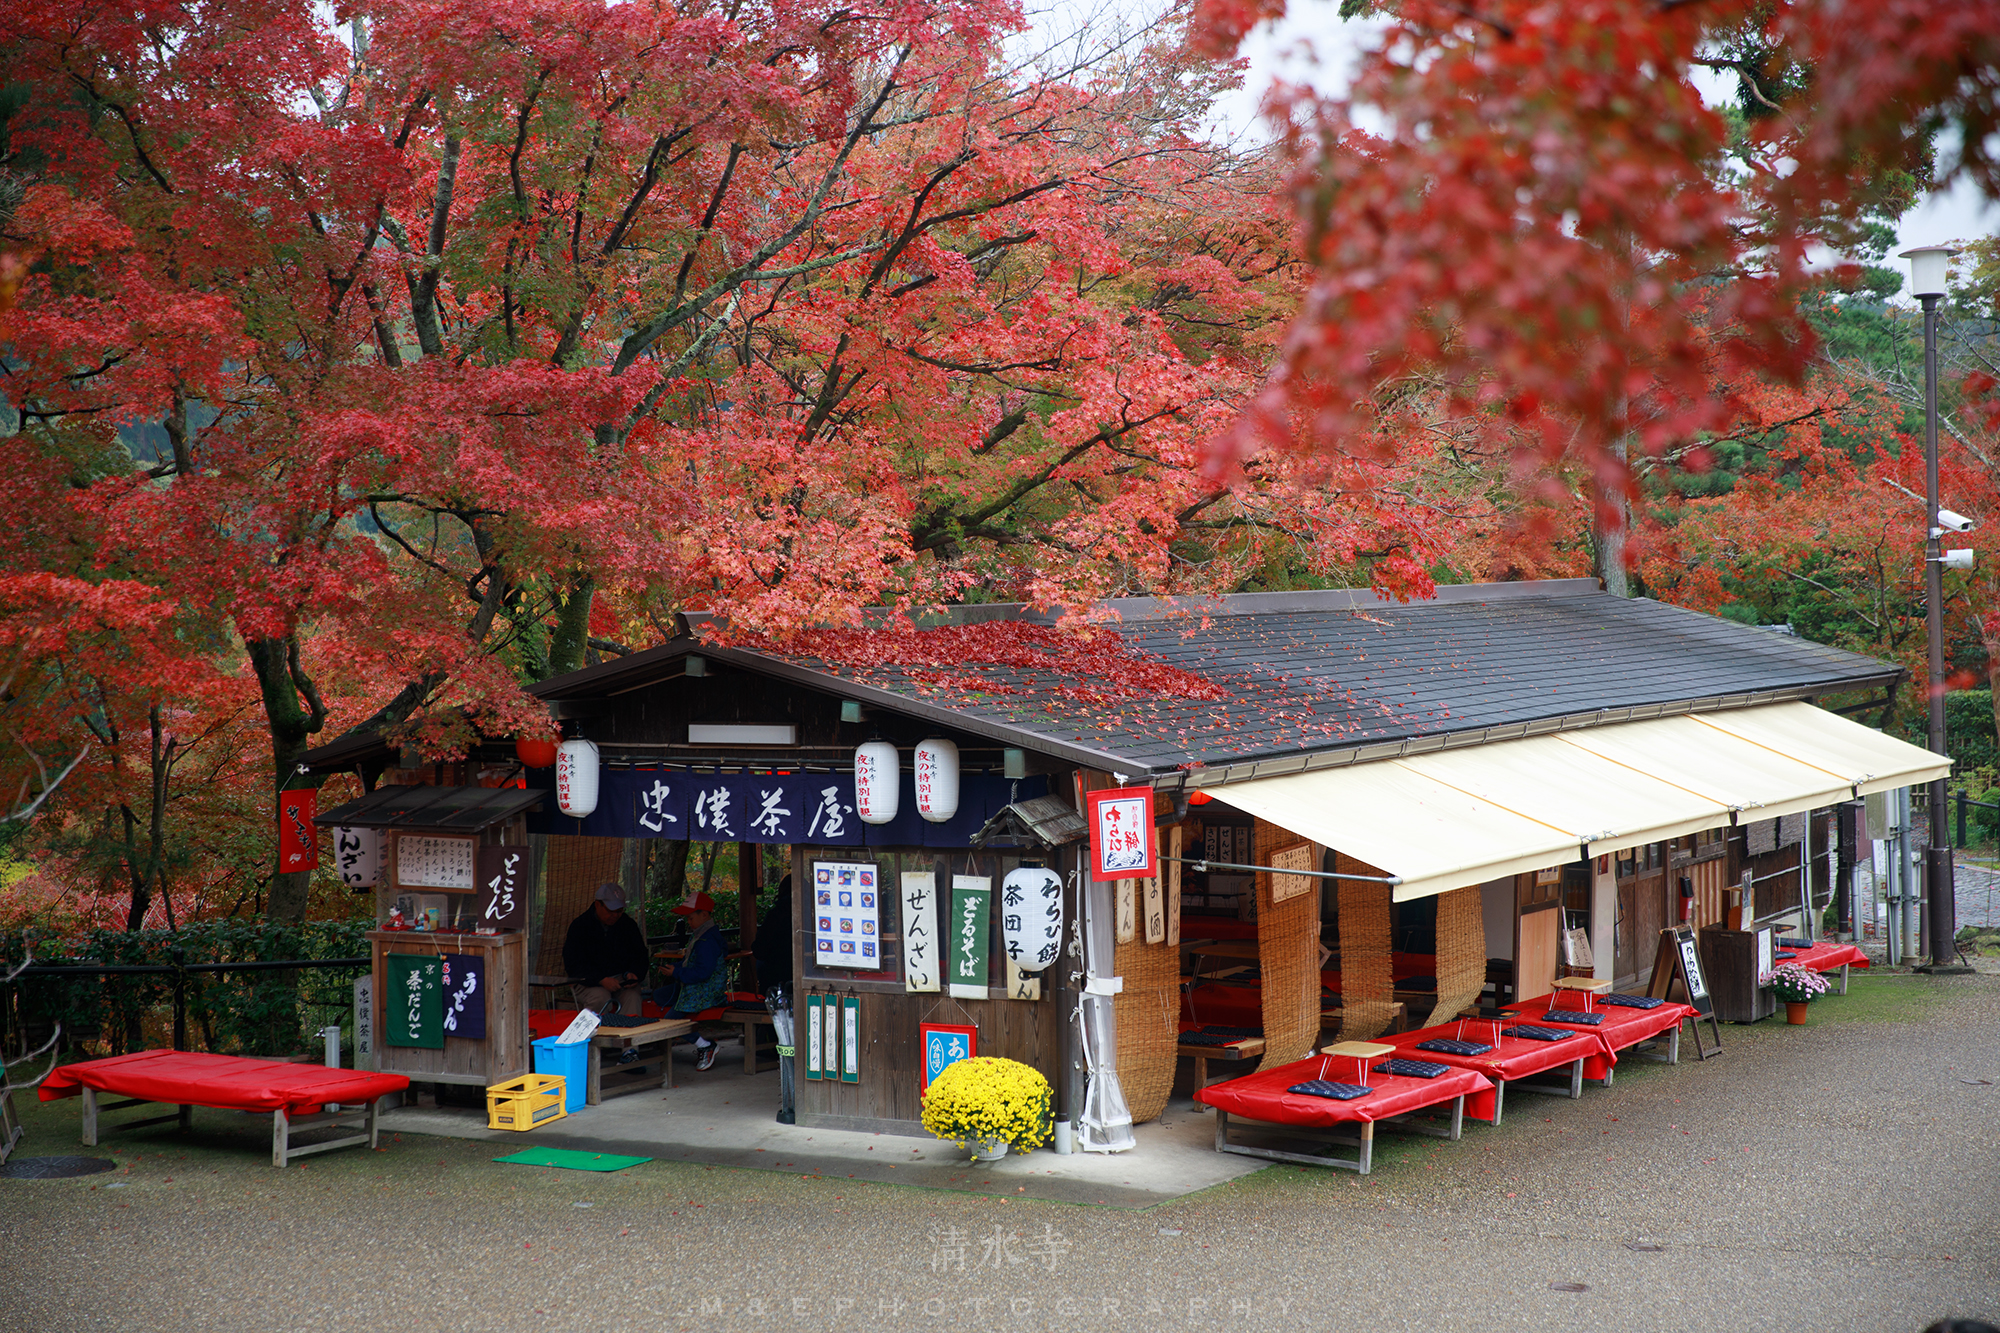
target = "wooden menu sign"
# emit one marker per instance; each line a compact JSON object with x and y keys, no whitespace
{"x":1679,"y":959}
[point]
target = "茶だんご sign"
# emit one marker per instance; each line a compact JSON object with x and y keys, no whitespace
{"x":1122,"y":845}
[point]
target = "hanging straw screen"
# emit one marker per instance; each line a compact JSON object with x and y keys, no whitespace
{"x":1461,"y":952}
{"x":1288,"y":954}
{"x":576,"y":866}
{"x":1148,"y":1013}
{"x":1367,"y":991}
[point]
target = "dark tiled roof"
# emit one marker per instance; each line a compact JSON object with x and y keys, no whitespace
{"x":1311,"y":673}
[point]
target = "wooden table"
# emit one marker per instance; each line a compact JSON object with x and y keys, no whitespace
{"x":658,"y":1037}
{"x":1248,"y":1048}
{"x":1399,"y":1018}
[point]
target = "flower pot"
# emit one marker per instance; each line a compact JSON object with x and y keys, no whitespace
{"x":988,"y":1150}
{"x":1795,"y":1010}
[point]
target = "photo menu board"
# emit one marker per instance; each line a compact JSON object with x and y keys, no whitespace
{"x":847,"y":915}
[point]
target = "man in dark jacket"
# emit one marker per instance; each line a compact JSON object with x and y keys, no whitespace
{"x":605,"y":955}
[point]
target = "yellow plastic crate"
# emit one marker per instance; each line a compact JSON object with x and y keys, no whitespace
{"x":525,"y":1102}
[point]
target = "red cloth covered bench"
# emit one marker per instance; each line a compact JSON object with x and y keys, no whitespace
{"x":1621,"y":1029}
{"x":296,"y":1095}
{"x":1262,"y":1097}
{"x":1511,"y":1059}
{"x":1826,"y":956}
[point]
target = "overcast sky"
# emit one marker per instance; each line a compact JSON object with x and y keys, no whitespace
{"x":1312,"y":28}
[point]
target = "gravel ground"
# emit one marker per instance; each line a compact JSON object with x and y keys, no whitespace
{"x":1834,"y":1176}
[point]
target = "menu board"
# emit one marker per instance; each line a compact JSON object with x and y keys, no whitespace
{"x":846,"y":915}
{"x":425,"y":861}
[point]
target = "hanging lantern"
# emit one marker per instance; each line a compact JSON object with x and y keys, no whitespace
{"x":535,"y":753}
{"x":576,"y":778}
{"x":1031,"y":916}
{"x":937,"y":780}
{"x":357,"y":855}
{"x":877,"y":782}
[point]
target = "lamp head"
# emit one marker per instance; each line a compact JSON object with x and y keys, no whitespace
{"x":1929,"y":265}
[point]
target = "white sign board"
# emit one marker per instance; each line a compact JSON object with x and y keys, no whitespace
{"x":920,"y":932}
{"x":846,"y":915}
{"x":426,"y":861}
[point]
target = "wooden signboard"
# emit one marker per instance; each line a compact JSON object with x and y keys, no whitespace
{"x":502,"y":876}
{"x":1679,"y":959}
{"x":428,"y":861}
{"x":815,"y":1057}
{"x":850,"y":1039}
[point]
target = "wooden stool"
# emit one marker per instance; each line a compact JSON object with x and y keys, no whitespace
{"x":1589,"y":986}
{"x":1361,"y":1052}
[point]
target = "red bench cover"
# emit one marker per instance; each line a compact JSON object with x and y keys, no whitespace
{"x":1262,"y":1095}
{"x":1510,"y":1058}
{"x":225,"y":1082}
{"x":1621,"y":1027}
{"x":1827,"y":955}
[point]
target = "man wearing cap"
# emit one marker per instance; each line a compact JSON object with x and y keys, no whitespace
{"x":606,"y":953}
{"x":700,"y":980}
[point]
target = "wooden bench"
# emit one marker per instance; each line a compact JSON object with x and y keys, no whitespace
{"x":653,"y":1041}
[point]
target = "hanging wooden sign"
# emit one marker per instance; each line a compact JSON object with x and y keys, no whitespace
{"x":427,"y":861}
{"x":1297,"y":859}
{"x":813,"y":1065}
{"x":830,"y":1055}
{"x":1127,"y":911}
{"x":413,"y":1010}
{"x":1121,"y":832}
{"x":921,"y":950}
{"x":1022,"y":985}
{"x":850,"y":1039}
{"x":502,"y":875}
{"x":971,"y":910}
{"x":1031,"y":916}
{"x":1175,"y":838}
{"x":1153,"y":910}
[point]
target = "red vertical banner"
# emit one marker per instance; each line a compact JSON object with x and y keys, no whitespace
{"x":1121,"y":833}
{"x":298,"y":839}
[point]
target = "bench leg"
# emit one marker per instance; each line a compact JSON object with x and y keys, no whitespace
{"x":1221,"y":1130}
{"x":281,"y":1137}
{"x":1843,"y":978}
{"x":1674,"y":1046}
{"x":374,"y":1130}
{"x":749,"y":1026}
{"x":1367,"y":1147}
{"x":1200,"y":1071}
{"x":1576,"y":1080}
{"x":1458,"y":1116}
{"x":593,"y":1075}
{"x":185,"y":1120}
{"x":90,"y":1117}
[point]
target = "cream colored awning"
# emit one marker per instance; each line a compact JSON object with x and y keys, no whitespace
{"x":1453,"y":818}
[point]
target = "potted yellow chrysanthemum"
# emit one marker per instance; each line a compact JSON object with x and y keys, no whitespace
{"x":986,"y":1104}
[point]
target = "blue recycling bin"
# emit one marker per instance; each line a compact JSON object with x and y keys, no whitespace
{"x":552,"y":1057}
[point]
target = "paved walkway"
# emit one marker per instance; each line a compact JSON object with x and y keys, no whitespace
{"x":1838,"y":1176}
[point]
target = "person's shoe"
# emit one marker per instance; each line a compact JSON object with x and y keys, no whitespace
{"x":706,"y":1056}
{"x":628,"y":1056}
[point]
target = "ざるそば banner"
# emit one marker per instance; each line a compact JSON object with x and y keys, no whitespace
{"x":1121,"y":833}
{"x":846,"y":915}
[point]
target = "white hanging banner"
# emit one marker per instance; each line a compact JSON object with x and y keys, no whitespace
{"x":1031,"y":916}
{"x":920,"y":933}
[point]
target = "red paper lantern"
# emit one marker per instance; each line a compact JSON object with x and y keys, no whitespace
{"x":535,"y":753}
{"x":1199,"y":798}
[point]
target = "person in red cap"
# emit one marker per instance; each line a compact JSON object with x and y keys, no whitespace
{"x":700,"y":980}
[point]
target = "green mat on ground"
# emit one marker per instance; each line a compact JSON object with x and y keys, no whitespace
{"x":571,"y":1160}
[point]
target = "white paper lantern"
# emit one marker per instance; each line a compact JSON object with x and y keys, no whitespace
{"x":576,"y":778}
{"x":877,"y":782}
{"x":1031,"y":916}
{"x":937,"y":780}
{"x":357,"y":855}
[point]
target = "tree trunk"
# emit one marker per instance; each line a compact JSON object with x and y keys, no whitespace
{"x":572,"y":631}
{"x":1610,"y":526}
{"x":284,"y":685}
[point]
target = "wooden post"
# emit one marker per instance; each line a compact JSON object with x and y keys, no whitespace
{"x":749,"y":882}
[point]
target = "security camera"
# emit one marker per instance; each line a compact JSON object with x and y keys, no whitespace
{"x":1956,"y":522}
{"x":1956,"y":559}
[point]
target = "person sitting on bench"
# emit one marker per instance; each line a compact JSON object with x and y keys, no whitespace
{"x":605,"y":949}
{"x":700,"y":980}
